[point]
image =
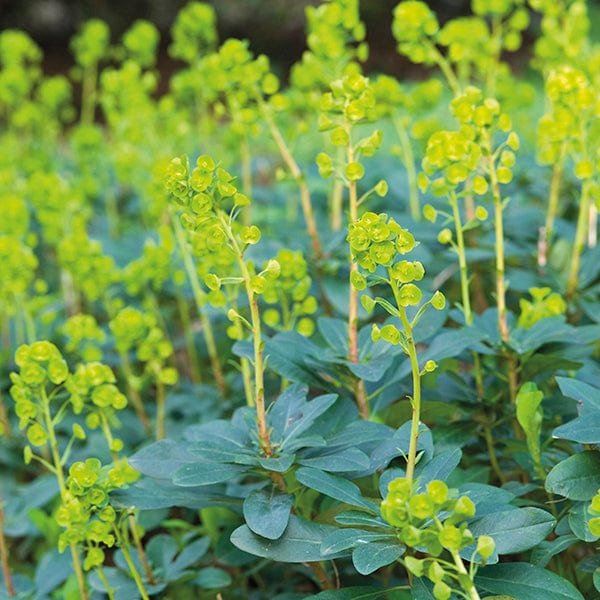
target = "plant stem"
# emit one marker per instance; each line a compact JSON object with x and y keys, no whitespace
{"x":337,"y":198}
{"x":88,"y":100}
{"x":134,"y":394}
{"x":408,"y":159}
{"x":489,"y":440}
{"x":416,"y":398}
{"x":580,"y":238}
{"x":553,"y":197}
{"x":160,"y":407}
{"x":460,"y":567}
{"x":325,"y":582}
{"x":140,"y":549}
{"x":132,"y":568}
{"x":4,"y":420}
{"x":188,"y":333}
{"x":294,"y":169}
{"x":257,"y":343}
{"x":200,"y":300}
{"x":462,"y":260}
{"x":109,"y":591}
{"x":246,"y":374}
{"x":246,"y":159}
{"x":447,"y":71}
{"x":499,"y":241}
{"x":60,"y":477}
{"x":359,"y":384}
{"x":6,"y":574}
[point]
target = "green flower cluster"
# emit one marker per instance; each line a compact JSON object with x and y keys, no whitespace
{"x":140,"y":43}
{"x":206,"y":195}
{"x":91,"y":44}
{"x":335,"y":39}
{"x":40,"y":363}
{"x":452,"y":157}
{"x":433,"y":521}
{"x":573,"y":105}
{"x":238,"y":81}
{"x":350,"y":101}
{"x":85,"y":512}
{"x":19,"y":265}
{"x":151,"y":270}
{"x":136,"y":331}
{"x":194,"y":32}
{"x":92,"y":388}
{"x":376,"y":239}
{"x":415,"y":25}
{"x":93,"y":272}
{"x":84,"y":337}
{"x":565,"y":28}
{"x":290,"y":292}
{"x":20,"y":59}
{"x":543,"y":305}
{"x":58,"y":207}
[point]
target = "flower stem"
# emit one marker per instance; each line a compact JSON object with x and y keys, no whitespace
{"x":200,"y":300}
{"x":580,"y":238}
{"x":294,"y":169}
{"x":6,"y":574}
{"x":359,"y":384}
{"x":408,"y":159}
{"x":462,"y":260}
{"x":416,"y":397}
{"x":257,"y":342}
{"x":60,"y":477}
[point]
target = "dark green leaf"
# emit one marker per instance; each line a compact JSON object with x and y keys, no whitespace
{"x":212,"y":578}
{"x":516,"y":529}
{"x":52,"y":569}
{"x":150,"y":494}
{"x":279,"y":464}
{"x":335,"y":487}
{"x":300,"y":542}
{"x":267,"y":512}
{"x":335,"y":333}
{"x":367,"y":558}
{"x":351,"y":593}
{"x":544,"y":551}
{"x":588,"y":395}
{"x":578,"y":521}
{"x":346,"y":460}
{"x":348,"y":537}
{"x":206,"y":473}
{"x":359,"y":519}
{"x":576,"y":477}
{"x":525,"y":582}
{"x":439,"y":467}
{"x":161,"y":459}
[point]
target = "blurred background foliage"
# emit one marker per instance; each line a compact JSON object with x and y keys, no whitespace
{"x":274,"y":27}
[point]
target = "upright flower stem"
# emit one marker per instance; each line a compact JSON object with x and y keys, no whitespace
{"x":462,"y":259}
{"x":553,"y":197}
{"x":580,"y":238}
{"x":416,"y":397}
{"x":200,"y":300}
{"x":60,"y":477}
{"x":6,"y":574}
{"x":359,"y":384}
{"x":292,"y":165}
{"x":257,"y":342}
{"x":408,"y":158}
{"x":188,"y":333}
{"x":134,"y":394}
{"x":500,"y":272}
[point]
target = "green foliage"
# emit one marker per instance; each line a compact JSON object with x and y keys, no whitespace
{"x":206,"y":393}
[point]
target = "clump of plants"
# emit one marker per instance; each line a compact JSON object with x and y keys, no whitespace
{"x":335,"y":338}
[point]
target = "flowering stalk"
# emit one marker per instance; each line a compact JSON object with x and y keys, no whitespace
{"x":200,"y":300}
{"x":257,"y":342}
